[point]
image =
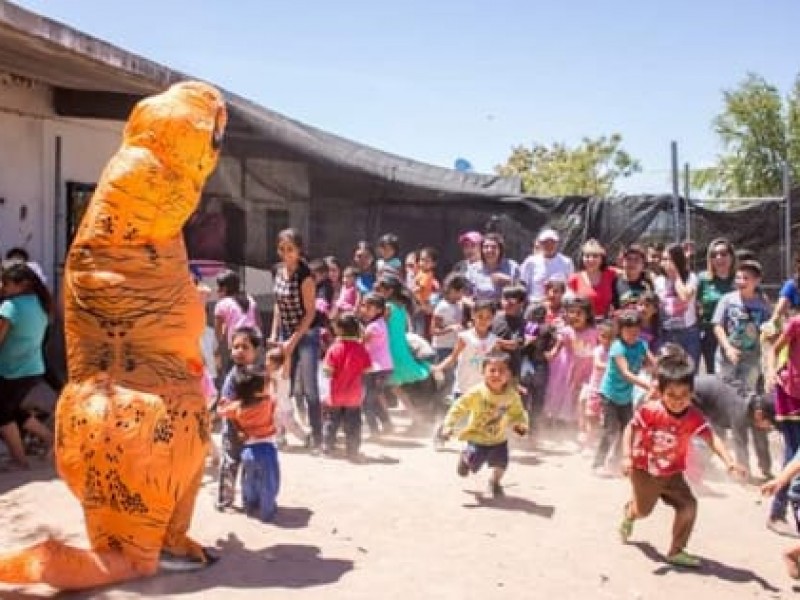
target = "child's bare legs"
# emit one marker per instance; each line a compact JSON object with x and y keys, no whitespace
{"x":406,"y":403}
{"x":494,"y":481}
{"x":791,"y":559}
{"x":674,"y":492}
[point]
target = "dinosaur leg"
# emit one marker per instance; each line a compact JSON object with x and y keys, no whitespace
{"x":67,"y":568}
{"x":176,"y":540}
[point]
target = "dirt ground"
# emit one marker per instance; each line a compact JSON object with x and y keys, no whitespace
{"x":404,"y":525}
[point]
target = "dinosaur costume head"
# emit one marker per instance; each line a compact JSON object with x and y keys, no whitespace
{"x":131,"y":424}
{"x":170,"y":146}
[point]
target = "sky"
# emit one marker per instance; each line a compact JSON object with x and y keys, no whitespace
{"x":437,"y":80}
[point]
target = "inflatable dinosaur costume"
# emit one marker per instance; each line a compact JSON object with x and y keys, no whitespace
{"x":131,"y":425}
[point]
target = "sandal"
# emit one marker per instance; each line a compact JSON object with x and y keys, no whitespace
{"x":792,"y":565}
{"x":626,"y":527}
{"x":684,"y":559}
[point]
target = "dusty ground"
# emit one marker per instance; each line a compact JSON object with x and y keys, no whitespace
{"x":403,"y":525}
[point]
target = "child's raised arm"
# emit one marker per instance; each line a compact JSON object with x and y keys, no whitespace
{"x":451,"y":360}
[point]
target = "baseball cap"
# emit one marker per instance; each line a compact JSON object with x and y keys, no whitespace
{"x":473,"y":237}
{"x":547,"y":234}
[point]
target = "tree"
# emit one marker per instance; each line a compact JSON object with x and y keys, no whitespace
{"x":759,"y":131}
{"x":589,"y":169}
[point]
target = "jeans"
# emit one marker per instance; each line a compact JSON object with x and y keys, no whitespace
{"x":746,"y":371}
{"x":615,"y":420}
{"x":350,"y":418}
{"x":261,"y":479}
{"x":708,"y":348}
{"x":687,"y":338}
{"x":375,"y":413}
{"x":305,"y":363}
{"x":790,"y":431}
{"x":229,"y":465}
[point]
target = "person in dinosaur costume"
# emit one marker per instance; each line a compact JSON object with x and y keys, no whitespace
{"x":131,"y":424}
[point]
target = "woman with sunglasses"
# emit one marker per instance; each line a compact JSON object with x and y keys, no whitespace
{"x":714,"y":282}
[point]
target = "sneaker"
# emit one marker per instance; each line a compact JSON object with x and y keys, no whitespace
{"x":463,"y":468}
{"x":684,"y":559}
{"x":626,"y":526}
{"x":781,"y":527}
{"x":496,"y":490}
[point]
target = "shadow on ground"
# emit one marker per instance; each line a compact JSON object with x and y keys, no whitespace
{"x":709,"y":568}
{"x":510,"y":503}
{"x":282,"y":566}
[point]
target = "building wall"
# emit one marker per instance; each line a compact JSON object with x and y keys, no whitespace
{"x":32,"y":211}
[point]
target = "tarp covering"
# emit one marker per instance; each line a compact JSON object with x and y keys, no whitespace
{"x":337,"y":223}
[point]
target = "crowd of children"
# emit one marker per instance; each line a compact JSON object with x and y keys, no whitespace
{"x":607,"y":356}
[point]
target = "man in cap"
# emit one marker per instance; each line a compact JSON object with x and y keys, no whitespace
{"x":544,"y":263}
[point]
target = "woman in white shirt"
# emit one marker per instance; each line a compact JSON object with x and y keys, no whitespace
{"x":677,"y":290}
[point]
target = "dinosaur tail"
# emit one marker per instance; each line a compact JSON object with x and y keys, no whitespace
{"x":66,"y":568}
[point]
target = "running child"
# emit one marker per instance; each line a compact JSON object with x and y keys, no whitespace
{"x":655,"y":445}
{"x":252,"y":411}
{"x":626,"y":358}
{"x":472,"y":346}
{"x":491,"y":407}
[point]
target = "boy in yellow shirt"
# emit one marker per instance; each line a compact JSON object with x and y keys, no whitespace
{"x":492,"y":407}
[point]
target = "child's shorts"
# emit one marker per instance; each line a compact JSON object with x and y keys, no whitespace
{"x":477,"y":455}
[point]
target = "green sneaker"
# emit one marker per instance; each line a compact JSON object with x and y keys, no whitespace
{"x":626,"y":527}
{"x":684,"y":559}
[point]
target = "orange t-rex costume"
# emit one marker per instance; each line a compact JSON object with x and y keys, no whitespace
{"x":131,"y":425}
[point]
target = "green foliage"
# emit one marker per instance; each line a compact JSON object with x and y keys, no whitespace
{"x":759,"y":131}
{"x":589,"y":169}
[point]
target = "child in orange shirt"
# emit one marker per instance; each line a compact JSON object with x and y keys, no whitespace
{"x":253,"y":413}
{"x":425,"y":286}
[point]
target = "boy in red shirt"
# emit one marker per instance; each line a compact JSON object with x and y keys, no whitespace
{"x":345,"y":363}
{"x":655,"y":444}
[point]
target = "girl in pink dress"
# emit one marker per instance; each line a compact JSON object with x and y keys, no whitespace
{"x":580,"y":316}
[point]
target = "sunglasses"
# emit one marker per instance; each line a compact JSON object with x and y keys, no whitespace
{"x":720,"y":254}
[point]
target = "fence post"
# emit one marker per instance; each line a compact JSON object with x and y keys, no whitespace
{"x":787,"y":196}
{"x":686,"y":192}
{"x":676,"y":193}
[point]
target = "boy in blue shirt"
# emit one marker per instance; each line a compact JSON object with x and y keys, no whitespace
{"x":626,"y":358}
